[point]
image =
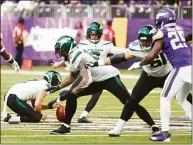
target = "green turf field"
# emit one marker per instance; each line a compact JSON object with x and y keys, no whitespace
{"x":104,"y":117}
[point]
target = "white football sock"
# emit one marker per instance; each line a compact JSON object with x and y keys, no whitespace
{"x":15,"y":119}
{"x":120,"y":124}
{"x":67,"y":125}
{"x":187,"y":107}
{"x":84,"y":114}
{"x":165,"y":113}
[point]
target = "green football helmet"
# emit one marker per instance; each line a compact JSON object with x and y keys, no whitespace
{"x":145,"y":35}
{"x":94,"y":28}
{"x":63,"y":45}
{"x":52,"y":77}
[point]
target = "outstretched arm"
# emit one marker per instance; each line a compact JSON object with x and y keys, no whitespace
{"x":9,"y":58}
{"x":68,"y":80}
{"x":84,"y":77}
{"x":118,"y":58}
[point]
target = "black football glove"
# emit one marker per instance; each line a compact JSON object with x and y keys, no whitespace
{"x":53,"y":89}
{"x":64,"y":94}
{"x":50,"y":104}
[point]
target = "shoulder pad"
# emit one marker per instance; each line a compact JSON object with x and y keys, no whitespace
{"x":158,"y":35}
{"x":75,"y":59}
{"x":134,"y":46}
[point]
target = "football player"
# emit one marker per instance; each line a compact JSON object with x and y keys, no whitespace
{"x":90,"y":105}
{"x":8,"y":57}
{"x":17,"y":96}
{"x":170,"y":39}
{"x":92,"y":80}
{"x":152,"y":76}
{"x":94,"y":45}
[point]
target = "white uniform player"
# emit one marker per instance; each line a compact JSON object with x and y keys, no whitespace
{"x":160,"y":66}
{"x":17,"y":96}
{"x":152,"y":76}
{"x":110,"y":82}
{"x":99,"y":52}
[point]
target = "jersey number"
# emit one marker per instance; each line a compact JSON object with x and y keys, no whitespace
{"x":159,"y":60}
{"x":94,"y":53}
{"x":177,"y":39}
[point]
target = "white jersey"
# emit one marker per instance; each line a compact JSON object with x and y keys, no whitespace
{"x":160,"y":65}
{"x":95,"y":52}
{"x":99,"y":52}
{"x":28,"y":90}
{"x":101,"y":49}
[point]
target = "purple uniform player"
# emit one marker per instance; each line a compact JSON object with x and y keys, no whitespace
{"x":171,"y":38}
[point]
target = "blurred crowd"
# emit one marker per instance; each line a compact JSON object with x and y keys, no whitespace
{"x":126,"y":3}
{"x":79,"y":8}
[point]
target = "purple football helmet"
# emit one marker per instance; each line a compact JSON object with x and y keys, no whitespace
{"x":165,"y":16}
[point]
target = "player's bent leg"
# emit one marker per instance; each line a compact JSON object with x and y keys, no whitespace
{"x":181,"y":99}
{"x":172,"y":86}
{"x":120,"y":91}
{"x":90,"y":105}
{"x":25,"y":111}
{"x":94,"y":99}
{"x":71,"y":105}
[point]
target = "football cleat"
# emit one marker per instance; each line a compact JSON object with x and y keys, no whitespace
{"x":115,"y":133}
{"x":161,"y":137}
{"x":155,"y":130}
{"x":61,"y":130}
{"x":83,"y":120}
{"x":6,"y":119}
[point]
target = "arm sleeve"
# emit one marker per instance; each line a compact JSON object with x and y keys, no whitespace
{"x":117,"y":58}
{"x":188,"y":37}
{"x":116,"y":50}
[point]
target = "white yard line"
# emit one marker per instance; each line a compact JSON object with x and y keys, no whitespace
{"x":83,"y":135}
{"x":113,"y":111}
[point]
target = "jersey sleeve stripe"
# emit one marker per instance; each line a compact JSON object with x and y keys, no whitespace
{"x":107,"y":43}
{"x":82,"y":43}
{"x":76,"y":56}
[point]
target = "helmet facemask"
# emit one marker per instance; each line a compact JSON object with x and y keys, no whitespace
{"x":145,"y":35}
{"x":96,"y":30}
{"x":145,"y":44}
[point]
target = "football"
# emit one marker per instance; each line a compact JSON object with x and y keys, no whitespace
{"x":60,"y":113}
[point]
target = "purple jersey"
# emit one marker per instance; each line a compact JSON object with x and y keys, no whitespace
{"x":174,"y":46}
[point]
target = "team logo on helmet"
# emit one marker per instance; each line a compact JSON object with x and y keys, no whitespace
{"x":63,"y":45}
{"x":165,"y":17}
{"x":53,"y":78}
{"x":145,"y":35}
